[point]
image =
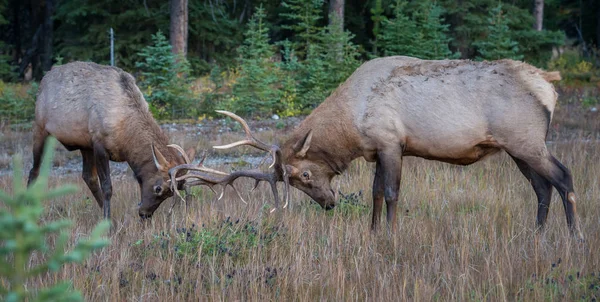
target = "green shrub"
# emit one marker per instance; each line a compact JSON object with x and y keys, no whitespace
{"x":574,"y":68}
{"x":22,"y":236}
{"x":17,"y":104}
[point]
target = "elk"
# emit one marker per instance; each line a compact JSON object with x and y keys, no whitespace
{"x":100,"y":111}
{"x":454,"y":111}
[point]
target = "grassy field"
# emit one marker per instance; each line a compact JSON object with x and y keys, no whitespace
{"x":464,"y":233}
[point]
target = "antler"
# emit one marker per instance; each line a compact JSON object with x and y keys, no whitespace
{"x":180,"y":150}
{"x":250,"y":139}
{"x":201,"y":175}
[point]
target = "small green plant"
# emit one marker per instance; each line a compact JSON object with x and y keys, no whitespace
{"x":351,"y":204}
{"x":227,"y":238}
{"x":22,"y":235}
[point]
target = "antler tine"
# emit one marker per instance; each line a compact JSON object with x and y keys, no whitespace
{"x":250,"y":139}
{"x":180,"y":150}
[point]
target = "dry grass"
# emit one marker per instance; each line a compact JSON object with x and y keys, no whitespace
{"x":465,"y":233}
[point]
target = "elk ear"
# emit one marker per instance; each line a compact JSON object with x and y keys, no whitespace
{"x":302,"y":145}
{"x":159,"y":160}
{"x":290,"y":170}
{"x":191,"y":152}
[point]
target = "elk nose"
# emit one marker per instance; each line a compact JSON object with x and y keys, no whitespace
{"x":144,"y":215}
{"x":329,"y":206}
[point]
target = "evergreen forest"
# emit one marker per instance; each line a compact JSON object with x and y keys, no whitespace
{"x":264,"y":57}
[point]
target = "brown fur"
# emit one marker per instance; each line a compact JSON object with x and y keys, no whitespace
{"x":99,"y":110}
{"x":451,"y":110}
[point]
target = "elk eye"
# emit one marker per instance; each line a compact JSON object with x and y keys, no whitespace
{"x":305,"y":175}
{"x":157,"y":189}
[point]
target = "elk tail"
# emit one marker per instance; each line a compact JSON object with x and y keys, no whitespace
{"x":551,"y":76}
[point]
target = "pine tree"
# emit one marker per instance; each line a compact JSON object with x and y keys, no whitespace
{"x":329,"y":62}
{"x":255,"y":91}
{"x":399,"y":35}
{"x":434,"y":39}
{"x":377,"y":17}
{"x":25,"y":253}
{"x":304,"y":17}
{"x":498,"y":43}
{"x":160,"y":82}
{"x":421,"y":35}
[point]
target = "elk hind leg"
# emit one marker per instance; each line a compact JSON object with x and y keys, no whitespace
{"x":90,"y":176}
{"x":542,"y":188}
{"x":39,"y":141}
{"x":548,"y":167}
{"x":103,"y":168}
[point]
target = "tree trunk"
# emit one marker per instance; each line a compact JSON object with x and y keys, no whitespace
{"x":336,"y":10}
{"x":46,"y":55}
{"x":16,"y":5}
{"x":179,"y":26}
{"x":538,"y":13}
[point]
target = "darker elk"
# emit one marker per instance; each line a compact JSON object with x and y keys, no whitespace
{"x":453,"y":111}
{"x":100,"y":111}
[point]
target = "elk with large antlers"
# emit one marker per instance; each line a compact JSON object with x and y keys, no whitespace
{"x":454,"y":111}
{"x":101,"y":112}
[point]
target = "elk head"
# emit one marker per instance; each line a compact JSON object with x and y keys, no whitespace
{"x":308,"y":172}
{"x":156,"y":185}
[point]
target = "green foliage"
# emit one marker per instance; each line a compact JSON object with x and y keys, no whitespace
{"x":22,"y":235}
{"x":82,"y":29}
{"x":352,"y":204}
{"x":290,"y":67}
{"x":214,"y":35}
{"x":163,"y":79}
{"x":574,"y":68}
{"x":255,"y":92}
{"x":329,"y":62}
{"x":17,"y":103}
{"x":433,"y":40}
{"x":217,"y":240}
{"x":398,"y":34}
{"x":498,"y":43}
{"x":6,"y":70}
{"x":377,"y":17}
{"x":303,"y":17}
{"x":422,"y":35}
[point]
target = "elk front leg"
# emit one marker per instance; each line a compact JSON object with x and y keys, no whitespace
{"x":378,"y":188}
{"x":103,"y":166}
